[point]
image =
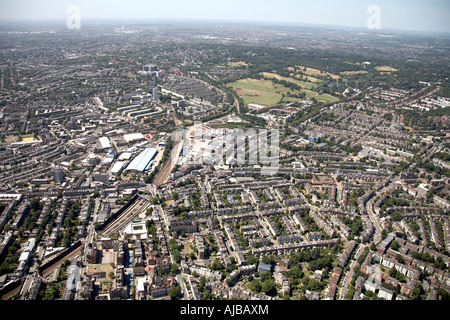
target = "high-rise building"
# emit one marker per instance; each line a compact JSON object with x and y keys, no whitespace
{"x":150,"y":68}
{"x":155,"y":94}
{"x":58,"y":175}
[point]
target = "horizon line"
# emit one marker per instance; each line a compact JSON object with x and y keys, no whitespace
{"x":261,"y":23}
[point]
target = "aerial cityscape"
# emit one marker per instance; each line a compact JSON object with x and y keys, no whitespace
{"x":215,"y":160}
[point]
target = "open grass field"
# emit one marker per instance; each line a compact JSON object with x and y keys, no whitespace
{"x":10,"y":139}
{"x":187,"y":247}
{"x":308,"y":78}
{"x":315,"y":72}
{"x":237,"y":64}
{"x":25,"y":138}
{"x":354,"y":72}
{"x":273,"y":75}
{"x":307,"y":85}
{"x":291,"y":99}
{"x":94,"y":268}
{"x":385,"y":69}
{"x":309,"y":94}
{"x":303,"y":84}
{"x":169,"y":202}
{"x":28,"y":139}
{"x":326,"y":98}
{"x":267,"y":93}
{"x":263,"y":92}
{"x":319,"y":97}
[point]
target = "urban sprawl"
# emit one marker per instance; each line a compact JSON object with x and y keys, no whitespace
{"x":109,"y":192}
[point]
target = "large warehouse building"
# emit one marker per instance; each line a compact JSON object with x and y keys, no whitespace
{"x":131,"y":137}
{"x":143,"y":161}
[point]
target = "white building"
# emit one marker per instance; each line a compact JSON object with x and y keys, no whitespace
{"x":130,"y":137}
{"x":105,"y":143}
{"x":117,"y":167}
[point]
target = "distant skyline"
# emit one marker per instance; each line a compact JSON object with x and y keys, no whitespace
{"x":411,"y":15}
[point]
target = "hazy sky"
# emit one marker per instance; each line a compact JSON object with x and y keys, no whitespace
{"x":417,"y":15}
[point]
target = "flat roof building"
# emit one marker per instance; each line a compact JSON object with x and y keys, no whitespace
{"x":104,"y":142}
{"x":143,"y":161}
{"x":125,"y":156}
{"x":133,"y":137}
{"x":117,"y":167}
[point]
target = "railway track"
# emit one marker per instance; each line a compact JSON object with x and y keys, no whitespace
{"x":126,"y":217}
{"x":46,"y":272}
{"x":163,"y":175}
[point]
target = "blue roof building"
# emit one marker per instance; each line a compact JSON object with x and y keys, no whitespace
{"x":143,"y":161}
{"x":264,"y":267}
